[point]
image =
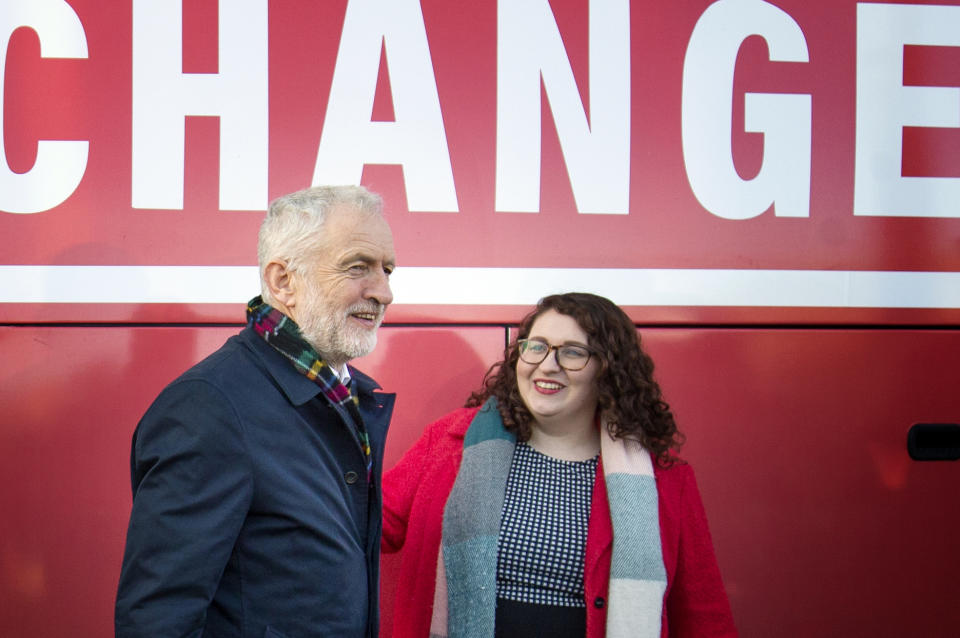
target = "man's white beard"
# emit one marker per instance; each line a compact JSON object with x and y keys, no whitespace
{"x":330,"y":331}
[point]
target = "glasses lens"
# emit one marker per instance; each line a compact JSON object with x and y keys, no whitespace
{"x":533,"y":351}
{"x":573,"y":357}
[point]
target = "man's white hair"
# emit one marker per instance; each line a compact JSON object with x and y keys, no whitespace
{"x":294,"y":224}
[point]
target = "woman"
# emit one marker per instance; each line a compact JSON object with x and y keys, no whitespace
{"x":553,"y":498}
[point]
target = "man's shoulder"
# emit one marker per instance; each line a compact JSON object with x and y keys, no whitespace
{"x":236,"y":367}
{"x":233,"y":357}
{"x":674,"y":478}
{"x":238,"y":382}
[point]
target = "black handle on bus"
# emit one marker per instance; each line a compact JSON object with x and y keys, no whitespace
{"x":934,"y":442}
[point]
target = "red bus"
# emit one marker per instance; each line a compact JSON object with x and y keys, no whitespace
{"x":770,"y":189}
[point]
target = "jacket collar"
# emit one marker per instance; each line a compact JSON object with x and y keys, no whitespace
{"x":295,"y":386}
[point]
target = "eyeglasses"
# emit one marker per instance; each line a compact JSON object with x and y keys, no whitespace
{"x":569,"y":357}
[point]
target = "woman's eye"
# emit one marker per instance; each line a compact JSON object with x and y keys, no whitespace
{"x":573,"y":353}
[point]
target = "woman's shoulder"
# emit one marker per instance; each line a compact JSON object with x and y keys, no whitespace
{"x":454,"y":423}
{"x":674,"y":472}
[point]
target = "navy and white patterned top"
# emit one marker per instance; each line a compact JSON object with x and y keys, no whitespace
{"x":543,"y":529}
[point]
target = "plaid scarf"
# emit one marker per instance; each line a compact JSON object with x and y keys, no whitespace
{"x":465,"y":596}
{"x":282,"y":332}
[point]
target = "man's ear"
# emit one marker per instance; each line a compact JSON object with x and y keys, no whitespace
{"x":281,"y":282}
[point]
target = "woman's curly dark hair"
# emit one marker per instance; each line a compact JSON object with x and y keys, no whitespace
{"x":629,"y":398}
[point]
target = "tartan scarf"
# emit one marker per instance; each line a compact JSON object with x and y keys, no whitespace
{"x":466,"y":587}
{"x":282,"y":332}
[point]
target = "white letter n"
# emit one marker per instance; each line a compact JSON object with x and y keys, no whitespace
{"x":597,"y":154}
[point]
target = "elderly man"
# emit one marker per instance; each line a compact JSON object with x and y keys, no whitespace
{"x":256,"y":496}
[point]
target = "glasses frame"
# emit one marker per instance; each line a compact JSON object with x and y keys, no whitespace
{"x":556,"y":353}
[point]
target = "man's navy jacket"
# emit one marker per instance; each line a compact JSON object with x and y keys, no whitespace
{"x":252,"y":514}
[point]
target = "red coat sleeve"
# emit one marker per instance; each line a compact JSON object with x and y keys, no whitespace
{"x":399,"y":489}
{"x":417,"y":486}
{"x":414,"y":495}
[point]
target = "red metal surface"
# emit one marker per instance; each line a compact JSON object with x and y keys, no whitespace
{"x":822,"y":524}
{"x":90,"y":99}
{"x":69,"y":400}
{"x":503,"y":314}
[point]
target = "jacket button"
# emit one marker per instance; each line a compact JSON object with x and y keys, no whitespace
{"x":351,"y":477}
{"x":599,"y":602}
